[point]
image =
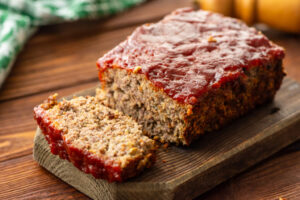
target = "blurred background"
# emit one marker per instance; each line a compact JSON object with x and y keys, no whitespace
{"x":51,"y":46}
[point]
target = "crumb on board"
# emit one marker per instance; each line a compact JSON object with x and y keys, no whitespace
{"x":211,"y":39}
{"x":137,"y":69}
{"x":166,"y":145}
{"x":281,"y":198}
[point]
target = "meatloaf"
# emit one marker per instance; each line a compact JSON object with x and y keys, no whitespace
{"x":96,"y":139}
{"x":190,"y":73}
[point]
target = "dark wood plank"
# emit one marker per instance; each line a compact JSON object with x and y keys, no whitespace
{"x":16,"y":145}
{"x":65,"y":55}
{"x":152,"y":10}
{"x":220,"y":155}
{"x":22,"y":178}
{"x":16,"y":116}
{"x":274,"y":178}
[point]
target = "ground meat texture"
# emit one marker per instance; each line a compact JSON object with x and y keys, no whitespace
{"x":169,"y":121}
{"x":190,"y":73}
{"x":96,"y":139}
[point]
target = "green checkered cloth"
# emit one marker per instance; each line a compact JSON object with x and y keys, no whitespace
{"x":20,"y":18}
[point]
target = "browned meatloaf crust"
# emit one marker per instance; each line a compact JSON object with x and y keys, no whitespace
{"x":96,"y":139}
{"x":190,"y":73}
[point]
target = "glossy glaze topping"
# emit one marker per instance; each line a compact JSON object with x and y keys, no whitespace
{"x":190,"y":52}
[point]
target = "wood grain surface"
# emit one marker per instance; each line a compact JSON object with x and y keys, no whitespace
{"x":184,"y":173}
{"x":61,"y":58}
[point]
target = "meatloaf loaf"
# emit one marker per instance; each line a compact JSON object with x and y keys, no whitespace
{"x":96,"y":139}
{"x":192,"y":72}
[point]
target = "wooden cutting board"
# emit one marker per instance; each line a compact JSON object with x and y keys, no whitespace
{"x":186,"y":172}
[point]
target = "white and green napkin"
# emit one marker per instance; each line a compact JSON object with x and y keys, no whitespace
{"x":20,"y":18}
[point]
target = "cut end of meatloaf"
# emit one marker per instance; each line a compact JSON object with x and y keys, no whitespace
{"x":192,"y":72}
{"x":167,"y":120}
{"x":95,"y":138}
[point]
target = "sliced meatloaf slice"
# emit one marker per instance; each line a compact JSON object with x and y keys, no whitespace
{"x":96,"y":139}
{"x":192,"y":72}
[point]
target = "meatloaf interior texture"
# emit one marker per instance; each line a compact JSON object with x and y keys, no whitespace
{"x":190,"y":73}
{"x":169,"y":121}
{"x":96,"y":139}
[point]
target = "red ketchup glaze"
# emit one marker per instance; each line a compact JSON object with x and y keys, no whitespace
{"x":84,"y":161}
{"x":190,"y":52}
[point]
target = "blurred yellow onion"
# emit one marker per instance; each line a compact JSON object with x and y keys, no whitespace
{"x":281,"y":14}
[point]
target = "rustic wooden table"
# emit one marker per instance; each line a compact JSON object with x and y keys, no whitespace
{"x":61,"y":58}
